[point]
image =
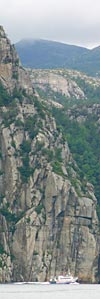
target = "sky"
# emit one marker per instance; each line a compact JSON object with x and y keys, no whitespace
{"x":70,"y":21}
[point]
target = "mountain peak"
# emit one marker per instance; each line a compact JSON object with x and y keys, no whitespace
{"x":8,"y":53}
{"x":11,"y":72}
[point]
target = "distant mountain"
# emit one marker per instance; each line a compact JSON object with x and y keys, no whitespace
{"x":89,"y":62}
{"x":45,"y":54}
{"x":48,"y":54}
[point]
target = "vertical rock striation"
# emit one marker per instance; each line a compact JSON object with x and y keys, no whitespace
{"x":47,"y":225}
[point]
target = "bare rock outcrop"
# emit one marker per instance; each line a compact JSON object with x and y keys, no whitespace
{"x":47,"y":223}
{"x":12,"y":73}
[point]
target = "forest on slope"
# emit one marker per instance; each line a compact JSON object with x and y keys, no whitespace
{"x":78,"y":120}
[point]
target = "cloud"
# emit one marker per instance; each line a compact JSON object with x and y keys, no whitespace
{"x":71,"y":21}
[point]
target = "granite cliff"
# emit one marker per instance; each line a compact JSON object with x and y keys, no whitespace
{"x":47,"y":223}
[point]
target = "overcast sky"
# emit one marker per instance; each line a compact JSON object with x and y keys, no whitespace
{"x":70,"y":21}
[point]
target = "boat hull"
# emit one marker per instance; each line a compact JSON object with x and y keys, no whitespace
{"x":64,"y":280}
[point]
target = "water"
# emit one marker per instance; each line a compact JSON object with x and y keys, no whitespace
{"x":27,"y":291}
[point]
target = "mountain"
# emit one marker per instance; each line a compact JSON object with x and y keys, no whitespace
{"x":74,"y":101}
{"x":43,"y":54}
{"x":48,"y":210}
{"x":48,"y":54}
{"x":90,"y":62}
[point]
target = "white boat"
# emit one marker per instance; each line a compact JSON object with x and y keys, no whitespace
{"x":64,"y":279}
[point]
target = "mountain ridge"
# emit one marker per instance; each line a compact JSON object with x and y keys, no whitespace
{"x":32,"y":40}
{"x":49,"y":54}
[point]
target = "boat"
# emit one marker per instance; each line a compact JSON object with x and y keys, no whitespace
{"x":64,"y":279}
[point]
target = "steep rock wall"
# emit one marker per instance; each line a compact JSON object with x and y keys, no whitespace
{"x":47,"y":223}
{"x":50,"y":227}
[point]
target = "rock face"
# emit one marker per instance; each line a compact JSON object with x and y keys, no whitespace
{"x":47,"y":223}
{"x":10,"y":66}
{"x":55,"y":80}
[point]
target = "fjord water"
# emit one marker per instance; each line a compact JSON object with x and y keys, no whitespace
{"x":29,"y":291}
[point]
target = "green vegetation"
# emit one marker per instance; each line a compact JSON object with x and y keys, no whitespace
{"x":35,"y":252}
{"x":39,"y":208}
{"x":10,"y":116}
{"x":2,"y":251}
{"x":92,"y":92}
{"x":39,"y":145}
{"x":10,"y":216}
{"x":31,"y":125}
{"x":85,"y":146}
{"x":58,"y":154}
{"x":4,"y":96}
{"x":9,"y":100}
{"x":53,"y":156}
{"x":0,"y":154}
{"x":15,"y":75}
{"x":39,"y":107}
{"x":19,"y":123}
{"x":1,"y":172}
{"x":84,"y":142}
{"x":43,"y":93}
{"x":48,"y":153}
{"x":56,"y":165}
{"x":28,"y":220}
{"x":18,"y":93}
{"x":25,"y":170}
{"x":25,"y":146}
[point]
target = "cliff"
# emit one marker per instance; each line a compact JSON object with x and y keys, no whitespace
{"x":47,"y":223}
